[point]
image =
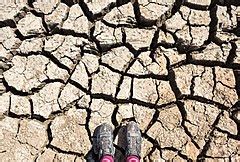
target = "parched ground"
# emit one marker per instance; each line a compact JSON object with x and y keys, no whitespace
{"x":67,"y":66}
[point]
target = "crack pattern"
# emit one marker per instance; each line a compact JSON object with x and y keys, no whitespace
{"x":69,"y":65}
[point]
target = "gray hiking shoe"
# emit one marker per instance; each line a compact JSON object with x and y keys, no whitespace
{"x":103,"y":141}
{"x":133,"y":140}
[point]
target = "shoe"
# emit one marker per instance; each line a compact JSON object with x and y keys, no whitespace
{"x":133,"y":140}
{"x":103,"y":141}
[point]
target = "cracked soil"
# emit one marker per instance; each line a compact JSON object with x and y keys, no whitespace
{"x":66,"y":66}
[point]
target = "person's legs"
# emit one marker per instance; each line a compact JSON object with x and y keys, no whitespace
{"x":133,"y":149}
{"x":132,"y":158}
{"x":103,"y":143}
{"x":107,"y":158}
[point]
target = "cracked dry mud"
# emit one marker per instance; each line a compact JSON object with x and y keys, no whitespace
{"x":67,"y":66}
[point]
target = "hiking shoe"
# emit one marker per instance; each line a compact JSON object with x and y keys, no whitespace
{"x":103,"y":141}
{"x":133,"y":140}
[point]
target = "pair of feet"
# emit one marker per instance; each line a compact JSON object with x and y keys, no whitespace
{"x":103,"y":142}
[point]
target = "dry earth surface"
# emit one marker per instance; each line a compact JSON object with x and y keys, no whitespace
{"x":67,"y":66}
